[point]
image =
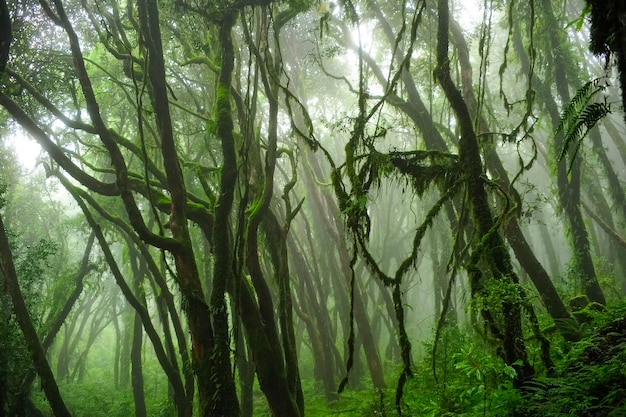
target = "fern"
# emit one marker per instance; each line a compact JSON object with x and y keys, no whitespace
{"x":580,"y":116}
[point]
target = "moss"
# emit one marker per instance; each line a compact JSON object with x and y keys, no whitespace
{"x":223,"y":111}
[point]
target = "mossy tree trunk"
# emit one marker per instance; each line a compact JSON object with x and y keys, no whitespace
{"x":277,"y":244}
{"x":491,"y":258}
{"x":223,"y":275}
{"x":568,"y":183}
{"x":280,"y":382}
{"x":209,"y":327}
{"x":512,"y":230}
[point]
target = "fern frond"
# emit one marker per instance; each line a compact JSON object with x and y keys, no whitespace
{"x":580,"y":116}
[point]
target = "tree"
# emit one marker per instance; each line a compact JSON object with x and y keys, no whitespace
{"x":11,"y":283}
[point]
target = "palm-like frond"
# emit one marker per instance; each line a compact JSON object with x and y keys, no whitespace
{"x":580,"y":116}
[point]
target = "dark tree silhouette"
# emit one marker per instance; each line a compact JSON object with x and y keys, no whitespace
{"x":5,"y":34}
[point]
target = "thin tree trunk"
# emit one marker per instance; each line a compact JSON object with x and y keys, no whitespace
{"x":137,"y":381}
{"x":37,"y":352}
{"x":317,"y":322}
{"x":277,"y":239}
{"x":245,"y":366}
{"x":171,"y":372}
{"x":137,"y":369}
{"x":118,"y":345}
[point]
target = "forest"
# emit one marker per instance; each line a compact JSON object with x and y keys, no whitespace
{"x":288,"y":208}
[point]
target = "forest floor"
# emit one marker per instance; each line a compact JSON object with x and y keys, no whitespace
{"x":589,"y":381}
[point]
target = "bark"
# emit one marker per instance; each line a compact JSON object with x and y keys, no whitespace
{"x":284,"y":393}
{"x":271,"y":374}
{"x":137,"y":381}
{"x":118,"y":346}
{"x":245,"y":366}
{"x":5,"y":353}
{"x":6,"y":35}
{"x":37,"y":352}
{"x":137,"y":369}
{"x":125,"y":346}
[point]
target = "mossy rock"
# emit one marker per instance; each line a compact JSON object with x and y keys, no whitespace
{"x":578,"y":303}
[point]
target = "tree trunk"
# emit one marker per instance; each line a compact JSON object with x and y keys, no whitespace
{"x":277,"y":245}
{"x":137,"y":382}
{"x":491,"y":249}
{"x":245,"y":366}
{"x":37,"y":352}
{"x":171,"y":372}
{"x":118,"y":346}
{"x":137,"y":369}
{"x":522,"y":250}
{"x":209,"y":327}
{"x":219,"y":397}
{"x":317,"y":323}
{"x":569,"y":184}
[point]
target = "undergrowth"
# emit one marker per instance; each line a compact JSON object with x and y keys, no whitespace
{"x":466,"y":378}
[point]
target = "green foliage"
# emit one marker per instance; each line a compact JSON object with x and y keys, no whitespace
{"x":580,"y":20}
{"x":94,"y":400}
{"x":472,"y":380}
{"x":96,"y":397}
{"x":469,"y":374}
{"x":15,"y":361}
{"x":590,"y":379}
{"x":580,"y":116}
